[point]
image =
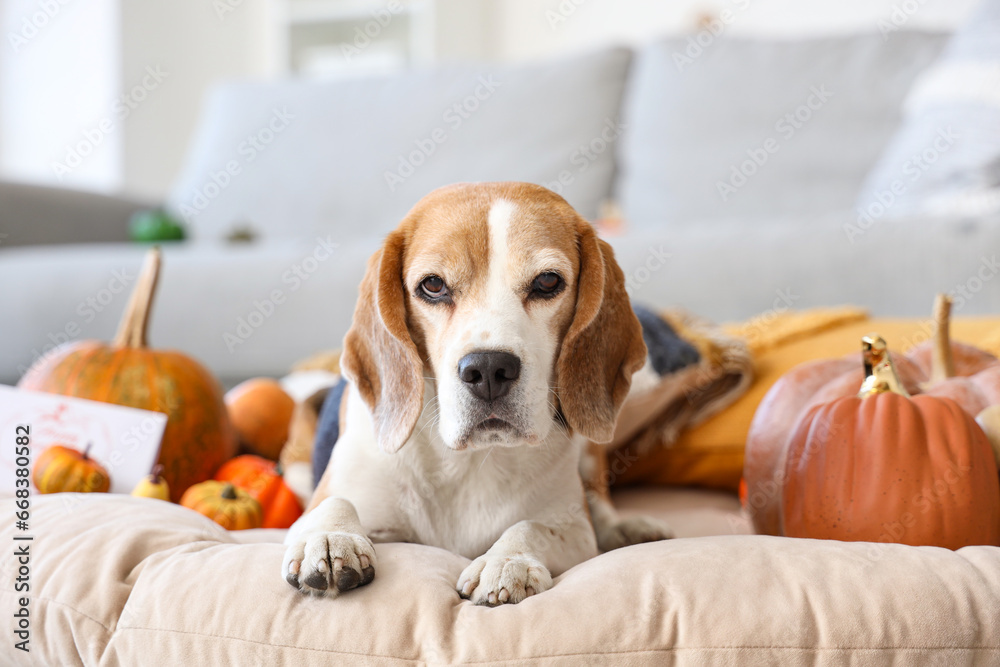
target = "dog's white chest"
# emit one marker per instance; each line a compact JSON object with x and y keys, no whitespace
{"x":459,"y":501}
{"x":464,"y":501}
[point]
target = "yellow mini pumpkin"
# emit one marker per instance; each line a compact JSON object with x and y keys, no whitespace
{"x":223,"y":503}
{"x":61,"y":468}
{"x":153,"y":485}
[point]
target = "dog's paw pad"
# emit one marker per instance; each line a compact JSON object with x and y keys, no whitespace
{"x":329,"y":563}
{"x":346,"y":577}
{"x":317,"y":580}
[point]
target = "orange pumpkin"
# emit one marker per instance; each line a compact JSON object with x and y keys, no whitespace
{"x":261,"y":413}
{"x":198,"y":437}
{"x":885,"y":467}
{"x":263,"y":481}
{"x":223,"y":503}
{"x":937,"y":367}
{"x":60,"y":469}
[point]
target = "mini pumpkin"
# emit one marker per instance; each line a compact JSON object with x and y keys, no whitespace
{"x":883,"y":466}
{"x":153,"y":485}
{"x":60,"y":469}
{"x":223,"y":503}
{"x":938,"y":367}
{"x":263,"y":480}
{"x":261,"y":413}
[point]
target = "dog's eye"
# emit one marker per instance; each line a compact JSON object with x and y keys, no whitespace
{"x":433,"y":288}
{"x":546,"y":284}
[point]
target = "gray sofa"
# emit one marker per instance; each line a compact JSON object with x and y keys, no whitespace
{"x":738,"y":166}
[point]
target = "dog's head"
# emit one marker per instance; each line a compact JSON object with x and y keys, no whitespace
{"x":505,"y":296}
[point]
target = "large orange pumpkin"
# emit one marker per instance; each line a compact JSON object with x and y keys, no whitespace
{"x":885,"y":467}
{"x":937,"y":367}
{"x":198,"y":436}
{"x":263,"y":481}
{"x":59,"y":469}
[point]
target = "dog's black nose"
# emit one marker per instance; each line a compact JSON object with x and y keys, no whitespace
{"x":489,"y":375}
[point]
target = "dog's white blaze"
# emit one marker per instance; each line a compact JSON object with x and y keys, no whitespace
{"x":499,"y":225}
{"x":500,"y":321}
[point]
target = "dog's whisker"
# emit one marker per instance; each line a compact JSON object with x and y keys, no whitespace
{"x":484,"y":459}
{"x":433,"y":402}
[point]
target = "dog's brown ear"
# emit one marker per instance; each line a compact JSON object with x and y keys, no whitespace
{"x":603,"y":346}
{"x":380,"y":357}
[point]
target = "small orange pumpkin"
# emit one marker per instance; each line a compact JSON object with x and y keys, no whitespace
{"x":886,"y":467}
{"x":262,"y":479}
{"x":261,"y":413}
{"x":198,"y":437}
{"x":61,"y":468}
{"x":223,"y":503}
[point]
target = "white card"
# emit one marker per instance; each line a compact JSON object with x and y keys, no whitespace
{"x":126,"y":441}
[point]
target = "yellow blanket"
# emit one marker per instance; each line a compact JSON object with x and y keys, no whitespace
{"x":711,"y":453}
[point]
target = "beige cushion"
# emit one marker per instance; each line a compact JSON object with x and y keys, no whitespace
{"x":127,"y":581}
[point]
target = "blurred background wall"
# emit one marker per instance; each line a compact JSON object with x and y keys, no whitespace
{"x":104,"y":94}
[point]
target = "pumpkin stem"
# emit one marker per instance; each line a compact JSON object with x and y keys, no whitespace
{"x":880,"y":373}
{"x":86,"y":451}
{"x":942,"y":361}
{"x":156,"y":473}
{"x":135,"y":321}
{"x":229,"y":492}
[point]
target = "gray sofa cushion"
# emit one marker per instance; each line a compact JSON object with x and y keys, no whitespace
{"x":730,"y":131}
{"x":946,"y":155}
{"x":305,"y":155}
{"x":736,"y":269}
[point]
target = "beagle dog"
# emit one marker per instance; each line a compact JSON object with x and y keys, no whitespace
{"x":491,"y":340}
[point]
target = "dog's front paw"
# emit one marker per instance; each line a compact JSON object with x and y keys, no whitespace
{"x":493,"y":580}
{"x":632,"y":530}
{"x":329,"y":563}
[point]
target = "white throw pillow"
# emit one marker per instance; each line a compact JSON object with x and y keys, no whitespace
{"x":945,"y":158}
